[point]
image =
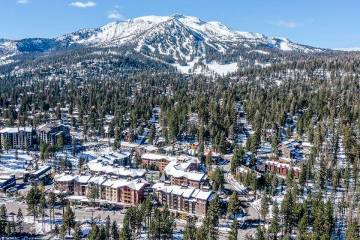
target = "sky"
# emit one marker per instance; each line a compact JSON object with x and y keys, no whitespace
{"x":319,"y":23}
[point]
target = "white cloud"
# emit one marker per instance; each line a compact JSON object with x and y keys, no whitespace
{"x":23,"y":1}
{"x":286,"y":24}
{"x":83,"y":4}
{"x":115,"y":14}
{"x":349,"y":49}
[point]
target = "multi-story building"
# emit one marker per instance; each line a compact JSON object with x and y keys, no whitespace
{"x":128,"y":192}
{"x":104,"y":168}
{"x":118,"y":158}
{"x":17,"y":137}
{"x":122,"y":191}
{"x":184,"y":174}
{"x":49,"y":133}
{"x":81,"y":185}
{"x":65,"y":183}
{"x":158,"y":161}
{"x":281,"y":168}
{"x":183,"y":199}
{"x":6,"y":182}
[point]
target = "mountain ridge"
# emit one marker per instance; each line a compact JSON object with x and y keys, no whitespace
{"x":177,"y":39}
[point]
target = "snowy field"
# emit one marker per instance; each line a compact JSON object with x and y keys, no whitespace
{"x":9,"y":163}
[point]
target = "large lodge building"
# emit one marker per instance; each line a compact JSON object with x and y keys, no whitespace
{"x":183,"y":189}
{"x":182,"y":199}
{"x":119,"y":191}
{"x":17,"y":138}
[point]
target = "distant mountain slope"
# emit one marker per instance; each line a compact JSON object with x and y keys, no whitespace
{"x":187,"y":43}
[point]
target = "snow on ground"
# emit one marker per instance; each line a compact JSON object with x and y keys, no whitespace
{"x":257,"y":204}
{"x":260,"y":51}
{"x":222,"y":69}
{"x":215,"y":67}
{"x":9,"y":163}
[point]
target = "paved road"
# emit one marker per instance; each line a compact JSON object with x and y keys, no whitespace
{"x":252,"y":213}
{"x":81,"y":214}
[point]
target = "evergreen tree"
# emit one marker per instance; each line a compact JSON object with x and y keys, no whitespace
{"x":233,"y":205}
{"x":3,"y":219}
{"x":274,"y":227}
{"x":264,"y":207}
{"x":114,"y":231}
{"x":233,"y":234}
{"x":190,"y":230}
{"x":20,"y":220}
{"x":107,"y":227}
{"x":260,"y":235}
{"x":125,"y":232}
{"x":69,"y":218}
{"x":77,"y":232}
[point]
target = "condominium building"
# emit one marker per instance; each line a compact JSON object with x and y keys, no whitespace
{"x":183,"y":199}
{"x":121,"y":191}
{"x":50,"y":133}
{"x":17,"y":137}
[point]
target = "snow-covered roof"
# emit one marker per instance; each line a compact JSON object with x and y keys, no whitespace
{"x":203,"y":195}
{"x":83,"y":179}
{"x":98,"y":180}
{"x":63,"y":177}
{"x":120,"y":171}
{"x":158,"y":157}
{"x":186,"y":192}
{"x":180,"y":170}
{"x":16,"y":129}
{"x":133,"y":184}
{"x":150,"y":148}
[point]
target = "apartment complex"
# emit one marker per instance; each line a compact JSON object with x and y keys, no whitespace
{"x":121,"y":191}
{"x":151,"y":160}
{"x":17,"y":137}
{"x":51,"y":132}
{"x":183,"y":199}
{"x":185,"y":174}
{"x":281,"y":168}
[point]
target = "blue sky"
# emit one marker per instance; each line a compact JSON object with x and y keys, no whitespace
{"x":321,"y":23}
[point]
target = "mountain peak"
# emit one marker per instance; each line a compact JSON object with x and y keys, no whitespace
{"x":177,"y":39}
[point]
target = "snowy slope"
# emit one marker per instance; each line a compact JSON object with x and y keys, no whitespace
{"x":178,"y":40}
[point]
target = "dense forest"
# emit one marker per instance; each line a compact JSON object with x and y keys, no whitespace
{"x":321,"y":95}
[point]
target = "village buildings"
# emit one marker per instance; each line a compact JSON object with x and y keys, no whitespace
{"x":17,"y":137}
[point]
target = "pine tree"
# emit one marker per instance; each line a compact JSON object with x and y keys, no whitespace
{"x":233,"y":230}
{"x":102,"y":234}
{"x":236,"y":160}
{"x":42,"y":207}
{"x":352,"y":231}
{"x":260,"y":235}
{"x":125,"y":232}
{"x":20,"y":220}
{"x":274,"y":227}
{"x":69,"y":218}
{"x":62,"y":232}
{"x":264,"y":207}
{"x":94,"y":233}
{"x":202,"y":233}
{"x":3,"y":219}
{"x":33,"y":200}
{"x":8,"y":228}
{"x":190,"y":230}
{"x":108,"y":227}
{"x":212,"y":218}
{"x":51,"y":203}
{"x":77,"y":232}
{"x":114,"y":231}
{"x":233,"y":205}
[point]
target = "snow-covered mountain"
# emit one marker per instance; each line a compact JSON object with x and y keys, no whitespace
{"x":182,"y":41}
